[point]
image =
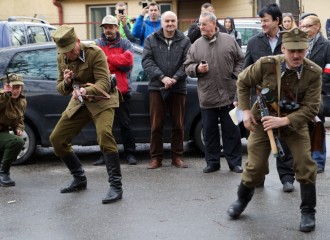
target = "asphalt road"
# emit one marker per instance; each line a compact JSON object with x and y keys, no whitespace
{"x":167,"y":203}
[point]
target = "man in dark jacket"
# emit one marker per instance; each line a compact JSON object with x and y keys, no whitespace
{"x":264,"y":44}
{"x":194,"y":32}
{"x":163,"y":56}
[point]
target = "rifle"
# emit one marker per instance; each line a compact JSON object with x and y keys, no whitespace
{"x":274,"y":141}
{"x":267,"y":95}
{"x":76,"y":89}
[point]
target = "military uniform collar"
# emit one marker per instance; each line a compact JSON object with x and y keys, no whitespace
{"x":82,"y":55}
{"x":285,"y":67}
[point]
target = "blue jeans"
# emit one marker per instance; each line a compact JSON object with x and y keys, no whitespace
{"x":231,"y":137}
{"x":320,"y":156}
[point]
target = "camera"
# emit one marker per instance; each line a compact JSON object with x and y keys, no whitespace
{"x":121,"y":11}
{"x":289,"y":106}
{"x":144,"y":5}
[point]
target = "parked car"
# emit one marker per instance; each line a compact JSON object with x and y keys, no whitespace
{"x":247,"y":27}
{"x":37,"y":63}
{"x":15,"y":32}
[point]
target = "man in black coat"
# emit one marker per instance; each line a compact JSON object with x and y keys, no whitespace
{"x":162,"y":60}
{"x":194,"y":32}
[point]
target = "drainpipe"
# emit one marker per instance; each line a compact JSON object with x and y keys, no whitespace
{"x":60,"y":11}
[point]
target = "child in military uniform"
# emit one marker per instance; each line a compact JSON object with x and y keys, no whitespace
{"x":12,"y":108}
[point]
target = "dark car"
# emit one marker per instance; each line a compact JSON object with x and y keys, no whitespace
{"x":37,"y":62}
{"x":18,"y":31}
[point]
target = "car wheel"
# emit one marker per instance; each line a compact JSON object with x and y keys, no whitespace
{"x":199,"y":137}
{"x":29,"y":146}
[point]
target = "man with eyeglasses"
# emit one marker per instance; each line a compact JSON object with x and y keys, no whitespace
{"x":216,"y":60}
{"x":266,"y":43}
{"x":319,"y":52}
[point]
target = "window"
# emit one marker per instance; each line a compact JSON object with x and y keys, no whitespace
{"x":17,"y":35}
{"x":36,"y":34}
{"x":96,"y":14}
{"x":37,"y":64}
{"x":165,"y":7}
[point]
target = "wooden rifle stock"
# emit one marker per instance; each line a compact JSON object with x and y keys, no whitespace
{"x":264,"y":112}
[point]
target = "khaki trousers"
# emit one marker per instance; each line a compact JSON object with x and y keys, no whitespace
{"x":259,"y":150}
{"x":67,"y":128}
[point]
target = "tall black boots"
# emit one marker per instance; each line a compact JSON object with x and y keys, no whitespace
{"x":115,"y":192}
{"x":307,"y":207}
{"x":79,"y":179}
{"x":5,"y":180}
{"x":244,"y":197}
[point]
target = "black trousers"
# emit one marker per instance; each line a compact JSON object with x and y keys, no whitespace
{"x":231,"y":137}
{"x":123,"y":116}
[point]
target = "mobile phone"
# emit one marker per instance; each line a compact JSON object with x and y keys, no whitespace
{"x":121,"y":11}
{"x":203,"y":62}
{"x":144,"y":5}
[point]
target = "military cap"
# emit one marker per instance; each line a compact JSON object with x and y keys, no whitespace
{"x":12,"y":79}
{"x":65,"y":38}
{"x":109,"y":19}
{"x":294,"y":39}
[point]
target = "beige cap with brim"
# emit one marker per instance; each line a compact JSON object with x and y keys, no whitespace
{"x":12,"y":79}
{"x":65,"y":38}
{"x":294,"y":39}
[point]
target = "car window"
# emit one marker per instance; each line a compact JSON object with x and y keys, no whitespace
{"x":137,"y":71}
{"x":17,"y":35}
{"x":247,"y":33}
{"x":36,"y":64}
{"x":51,"y":30}
{"x":36,"y":34}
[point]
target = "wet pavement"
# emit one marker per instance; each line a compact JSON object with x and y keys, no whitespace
{"x":167,"y":203}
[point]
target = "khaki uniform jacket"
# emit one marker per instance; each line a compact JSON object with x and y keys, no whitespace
{"x":217,"y":87}
{"x":12,"y":111}
{"x":90,"y":67}
{"x":263,"y":72}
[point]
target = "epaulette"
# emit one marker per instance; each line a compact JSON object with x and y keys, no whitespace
{"x":268,"y":59}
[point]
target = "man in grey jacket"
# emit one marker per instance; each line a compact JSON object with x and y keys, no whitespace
{"x":162,"y":60}
{"x":216,"y":59}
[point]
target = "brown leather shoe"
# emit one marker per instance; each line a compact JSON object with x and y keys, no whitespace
{"x":179,"y":163}
{"x":154,"y":163}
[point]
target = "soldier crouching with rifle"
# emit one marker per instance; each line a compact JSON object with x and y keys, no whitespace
{"x":12,"y":108}
{"x":296,"y":85}
{"x":83,"y":72}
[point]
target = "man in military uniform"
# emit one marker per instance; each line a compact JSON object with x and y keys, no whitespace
{"x":299,"y":82}
{"x":12,"y":108}
{"x":83,"y":72}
